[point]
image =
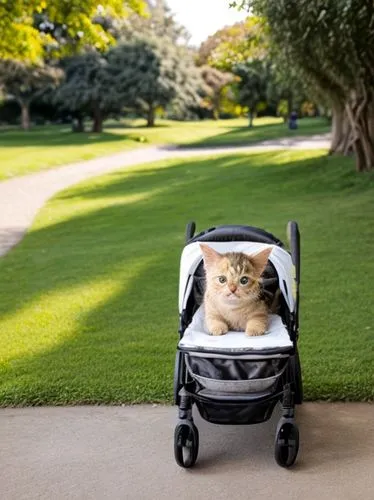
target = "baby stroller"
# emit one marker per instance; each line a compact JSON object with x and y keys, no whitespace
{"x":235,"y":379}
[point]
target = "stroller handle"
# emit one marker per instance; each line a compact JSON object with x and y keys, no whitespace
{"x":190,"y":230}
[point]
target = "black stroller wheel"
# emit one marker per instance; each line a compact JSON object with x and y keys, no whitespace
{"x":286,"y":444}
{"x":186,"y":444}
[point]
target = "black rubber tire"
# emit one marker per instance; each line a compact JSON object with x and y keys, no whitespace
{"x":286,"y":444}
{"x":186,"y":444}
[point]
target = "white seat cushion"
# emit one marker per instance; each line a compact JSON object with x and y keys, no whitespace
{"x":197,"y":337}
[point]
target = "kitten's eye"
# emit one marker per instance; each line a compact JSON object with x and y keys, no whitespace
{"x":244,"y":280}
{"x":222,"y":279}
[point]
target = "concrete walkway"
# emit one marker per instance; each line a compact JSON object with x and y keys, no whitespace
{"x":121,"y":453}
{"x":126,"y":453}
{"x":22,"y":197}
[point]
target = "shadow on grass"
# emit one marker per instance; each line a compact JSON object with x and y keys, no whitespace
{"x":122,"y":349}
{"x":57,"y":136}
{"x":245,"y":135}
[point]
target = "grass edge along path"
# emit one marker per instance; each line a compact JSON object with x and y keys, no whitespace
{"x":47,"y":147}
{"x":88,"y":303}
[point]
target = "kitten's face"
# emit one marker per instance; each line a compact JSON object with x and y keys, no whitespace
{"x":233,"y":278}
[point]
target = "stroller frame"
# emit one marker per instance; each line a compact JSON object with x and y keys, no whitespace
{"x":247,"y":408}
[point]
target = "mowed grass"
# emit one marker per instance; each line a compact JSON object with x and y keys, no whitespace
{"x":49,"y":146}
{"x":88,"y":300}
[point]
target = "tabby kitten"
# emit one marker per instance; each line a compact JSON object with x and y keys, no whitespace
{"x":232,"y":296}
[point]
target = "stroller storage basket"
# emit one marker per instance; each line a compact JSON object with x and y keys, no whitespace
{"x":236,"y":413}
{"x":236,"y":374}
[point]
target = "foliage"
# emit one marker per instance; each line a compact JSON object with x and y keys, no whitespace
{"x":159,"y":23}
{"x":252,"y":86}
{"x":25,"y":83}
{"x":85,"y":88}
{"x":216,"y":82}
{"x":22,"y":40}
{"x":235,"y":44}
{"x":331,"y":45}
{"x":150,"y":72}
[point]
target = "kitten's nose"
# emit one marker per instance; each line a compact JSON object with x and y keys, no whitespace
{"x":233,"y":288}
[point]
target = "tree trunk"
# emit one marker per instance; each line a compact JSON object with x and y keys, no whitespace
{"x":353,"y":130}
{"x":250,"y":118}
{"x":97,"y":126}
{"x":289,"y":104}
{"x":25,"y":115}
{"x":151,"y":116}
{"x":216,"y":105}
{"x":78,"y":124}
{"x":360,"y":116}
{"x":340,"y":131}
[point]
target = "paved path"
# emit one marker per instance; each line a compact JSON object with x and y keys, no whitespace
{"x":126,"y":453}
{"x":22,"y":197}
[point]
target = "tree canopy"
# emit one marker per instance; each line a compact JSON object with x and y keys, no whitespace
{"x":235,"y":44}
{"x":84,"y":90}
{"x":252,"y":86}
{"x":25,"y":83}
{"x":22,"y":39}
{"x":148,"y":73}
{"x":330,"y":43}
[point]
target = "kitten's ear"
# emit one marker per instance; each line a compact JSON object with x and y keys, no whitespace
{"x":260,"y":260}
{"x":210,"y":256}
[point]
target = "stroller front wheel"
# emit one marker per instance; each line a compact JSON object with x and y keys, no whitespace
{"x":286,"y":444}
{"x":186,"y":444}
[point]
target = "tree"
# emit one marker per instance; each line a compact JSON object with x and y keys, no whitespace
{"x":331,"y":45}
{"x":252,"y":87}
{"x":285,"y":88}
{"x":235,"y":44}
{"x":84,"y":91}
{"x":149,"y":72}
{"x":26,"y":83}
{"x":216,"y":81}
{"x":159,"y":23}
{"x":22,"y":40}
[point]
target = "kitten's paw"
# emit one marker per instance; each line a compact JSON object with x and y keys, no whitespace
{"x":252,"y":332}
{"x":255,"y":328}
{"x":218,"y":328}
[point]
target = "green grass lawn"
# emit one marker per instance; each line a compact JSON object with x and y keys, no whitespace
{"x":46,"y":147}
{"x":88,"y":300}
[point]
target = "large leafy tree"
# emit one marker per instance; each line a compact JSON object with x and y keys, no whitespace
{"x":159,"y":22}
{"x":243,"y":50}
{"x":85,"y":89}
{"x":148,"y":73}
{"x":252,"y":87}
{"x":331,"y":43}
{"x":216,"y":82}
{"x":235,"y":44}
{"x":25,"y":83}
{"x":22,"y":39}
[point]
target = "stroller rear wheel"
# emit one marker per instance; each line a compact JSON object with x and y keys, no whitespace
{"x":186,"y":444}
{"x":286,"y":444}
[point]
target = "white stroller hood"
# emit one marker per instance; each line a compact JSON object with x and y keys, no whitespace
{"x":280,"y":258}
